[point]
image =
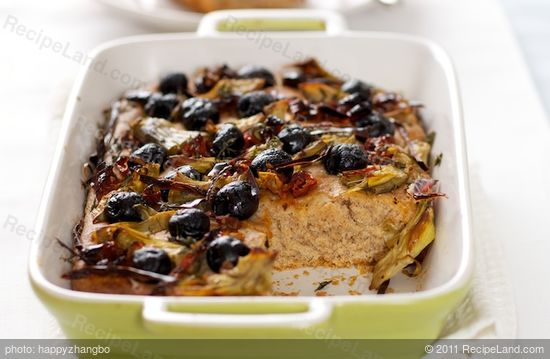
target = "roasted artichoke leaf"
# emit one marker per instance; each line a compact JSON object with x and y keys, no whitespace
{"x":420,"y":151}
{"x":202,"y":164}
{"x":278,"y":109}
{"x":126,"y":233}
{"x":408,"y":244}
{"x":383,"y":180}
{"x":313,"y":149}
{"x":273,"y":142}
{"x":233,"y":87}
{"x":313,"y":69}
{"x":317,"y":92}
{"x":251,"y":276}
{"x":163,"y":133}
{"x":245,"y":124}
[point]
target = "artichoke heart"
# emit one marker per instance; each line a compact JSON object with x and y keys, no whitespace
{"x":251,"y":276}
{"x":126,"y":233}
{"x":383,"y":180}
{"x":233,"y":87}
{"x":278,"y":108}
{"x":162,"y":132}
{"x":406,"y":246}
{"x":313,"y":149}
{"x":317,"y":92}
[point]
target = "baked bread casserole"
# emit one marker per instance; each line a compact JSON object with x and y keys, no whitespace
{"x":206,"y":185}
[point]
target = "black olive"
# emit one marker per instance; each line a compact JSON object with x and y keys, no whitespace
{"x":120,"y":207}
{"x":267,"y":159}
{"x":189,"y":222}
{"x":238,"y":199}
{"x":357,"y":86}
{"x":173,"y":83}
{"x":196,"y":112}
{"x":139,"y":96}
{"x":225,"y":249}
{"x":293,"y":77}
{"x":253,"y":71}
{"x":376,"y":124}
{"x":361,"y":109}
{"x":345,"y":157}
{"x":273,"y":121}
{"x":351,"y":100}
{"x":160,"y":105}
{"x":229,"y":141}
{"x":150,"y":153}
{"x":294,"y":138}
{"x":252,"y":103}
{"x":152,"y":260}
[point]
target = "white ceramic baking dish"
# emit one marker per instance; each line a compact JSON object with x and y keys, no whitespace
{"x":418,"y":68}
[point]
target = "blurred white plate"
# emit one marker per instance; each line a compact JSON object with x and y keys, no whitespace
{"x":168,"y":16}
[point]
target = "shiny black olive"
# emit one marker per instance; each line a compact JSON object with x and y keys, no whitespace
{"x":173,"y":83}
{"x":139,"y":96}
{"x":150,"y":153}
{"x":152,"y":260}
{"x":293,"y":77}
{"x":345,"y":157}
{"x":361,"y":109}
{"x":197,"y":111}
{"x":267,"y":159}
{"x":120,"y":207}
{"x":160,"y":105}
{"x":273,"y":121}
{"x":238,"y":199}
{"x":186,"y":170}
{"x":357,"y":86}
{"x":189,"y":222}
{"x":376,"y":124}
{"x":229,"y":141}
{"x":252,"y":103}
{"x":351,"y":100}
{"x":225,"y":249}
{"x":294,"y":138}
{"x":253,"y":71}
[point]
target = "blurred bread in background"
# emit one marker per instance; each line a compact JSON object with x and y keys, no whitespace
{"x":211,"y":5}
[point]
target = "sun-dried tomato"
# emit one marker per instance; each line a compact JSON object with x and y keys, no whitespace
{"x":301,"y":183}
{"x":110,"y":177}
{"x":152,"y":196}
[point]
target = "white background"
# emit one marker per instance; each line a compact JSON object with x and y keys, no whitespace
{"x":507,"y":133}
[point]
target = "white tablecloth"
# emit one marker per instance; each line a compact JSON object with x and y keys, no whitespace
{"x":507,"y":133}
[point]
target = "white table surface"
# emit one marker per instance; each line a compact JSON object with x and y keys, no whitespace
{"x":507,"y":132}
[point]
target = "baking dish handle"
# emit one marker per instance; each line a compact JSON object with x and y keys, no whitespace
{"x":227,"y":22}
{"x":157,"y":311}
